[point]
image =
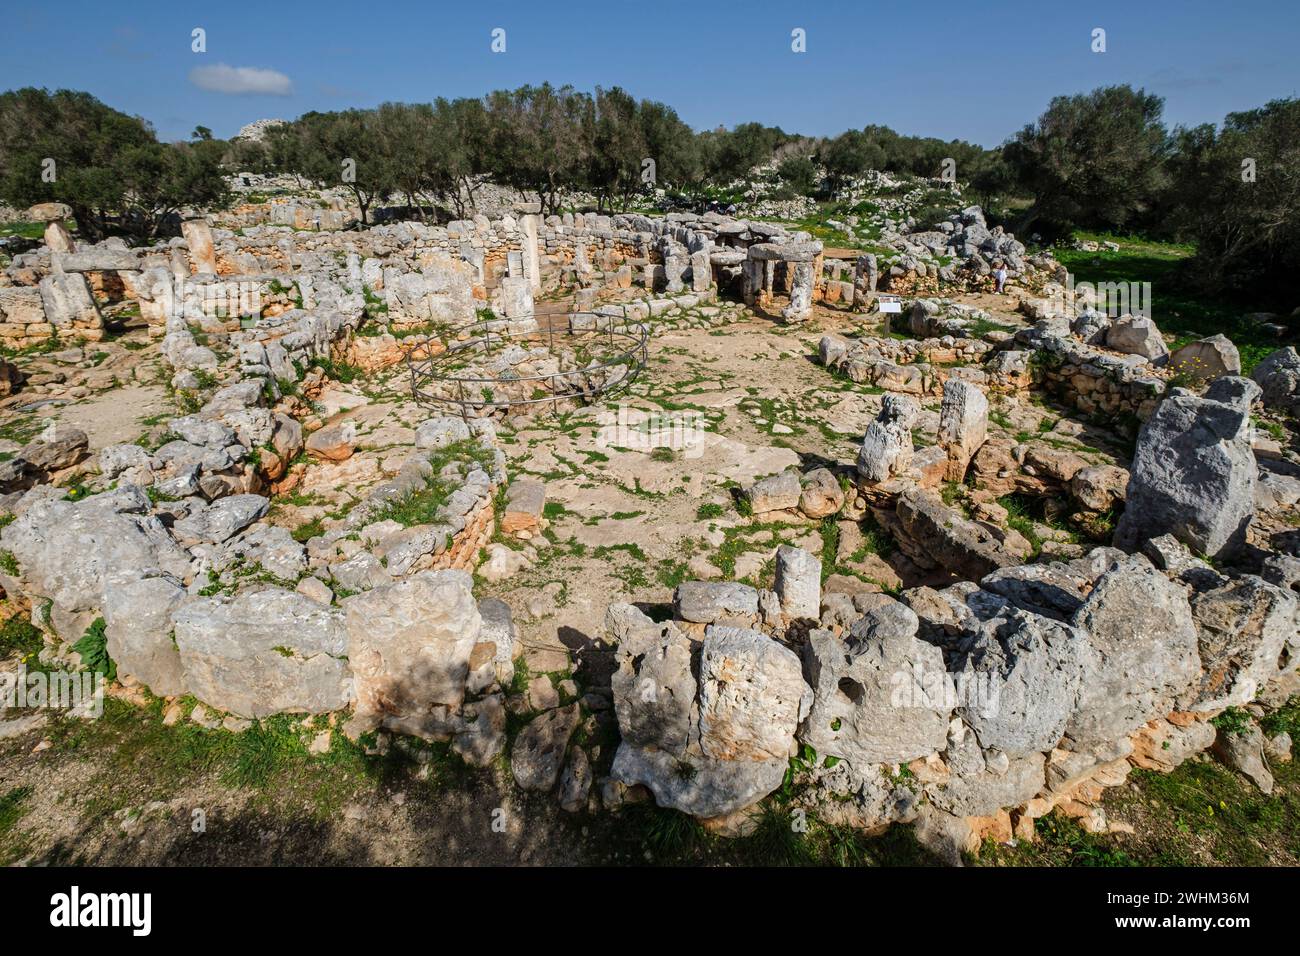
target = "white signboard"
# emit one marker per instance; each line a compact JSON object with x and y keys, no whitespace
{"x":889,"y":303}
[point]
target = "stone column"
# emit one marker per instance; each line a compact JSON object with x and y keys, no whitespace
{"x":54,"y":215}
{"x":673,"y":269}
{"x":198,"y":237}
{"x":516,"y":297}
{"x":752,"y":280}
{"x":580,"y":261}
{"x":801,"y":292}
{"x":529,"y":225}
{"x":963,"y":424}
{"x":701,"y":271}
{"x":865,"y":274}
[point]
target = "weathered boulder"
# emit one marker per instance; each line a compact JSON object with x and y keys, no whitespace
{"x":265,"y":652}
{"x":749,"y":699}
{"x":138,"y":609}
{"x":575,"y":781}
{"x":198,"y":430}
{"x":525,"y":506}
{"x":702,"y":787}
{"x":1242,"y":630}
{"x":654,"y":688}
{"x":780,"y":492}
{"x":939,"y":536}
{"x":963,"y":425}
{"x":1206,"y":358}
{"x":887,"y":445}
{"x":1243,"y":750}
{"x":1140,"y":658}
{"x":493,"y":658}
{"x":539,"y":750}
{"x":220,"y":520}
{"x":1099,"y":487}
{"x":409,"y":646}
{"x":832,"y":349}
{"x":441,"y":430}
{"x":1278,"y":377}
{"x":64,"y":447}
{"x":49,"y":212}
{"x":69,"y":302}
{"x":704,"y":602}
{"x":270,"y":547}
{"x":980,"y":783}
{"x":442,"y":291}
{"x":1018,"y":681}
{"x":67,"y":550}
{"x":482,"y":733}
{"x":1163,"y":745}
{"x":865,"y":799}
{"x":880,"y":696}
{"x":821,"y":495}
{"x":361,"y":572}
{"x":1194,"y":472}
{"x":334,"y":442}
{"x":752,"y":696}
{"x":502,"y":562}
{"x":1054,"y":589}
{"x":115,"y":459}
{"x":1136,"y":335}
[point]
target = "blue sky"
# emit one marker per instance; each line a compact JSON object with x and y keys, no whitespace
{"x":975,"y":71}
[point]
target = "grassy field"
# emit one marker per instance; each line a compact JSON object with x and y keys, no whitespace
{"x":1176,"y":310}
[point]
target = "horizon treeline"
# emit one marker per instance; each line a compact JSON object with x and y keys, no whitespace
{"x":1102,"y":161}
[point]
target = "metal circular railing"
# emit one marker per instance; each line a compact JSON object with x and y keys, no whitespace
{"x":441,"y":376}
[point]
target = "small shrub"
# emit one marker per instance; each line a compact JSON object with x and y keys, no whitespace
{"x":93,"y":648}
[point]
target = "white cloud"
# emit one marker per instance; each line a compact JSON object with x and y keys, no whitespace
{"x":238,"y":80}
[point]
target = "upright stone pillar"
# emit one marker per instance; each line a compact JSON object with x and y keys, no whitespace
{"x":58,"y":238}
{"x":865,"y":274}
{"x":751,"y":277}
{"x":963,"y":424}
{"x":54,"y":215}
{"x":198,"y":237}
{"x":701,"y":271}
{"x":516,"y":297}
{"x":673,"y":269}
{"x":801,"y":292}
{"x":529,"y":225}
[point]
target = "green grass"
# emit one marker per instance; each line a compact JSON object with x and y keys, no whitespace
{"x":18,"y":635}
{"x":1024,"y":514}
{"x":13,"y":807}
{"x":1201,"y":814}
{"x":28,"y":230}
{"x":146,"y":760}
{"x":421,"y":506}
{"x":1176,"y":309}
{"x":308,"y":530}
{"x":1061,"y":841}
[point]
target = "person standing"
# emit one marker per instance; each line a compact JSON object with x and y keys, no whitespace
{"x":999,"y":276}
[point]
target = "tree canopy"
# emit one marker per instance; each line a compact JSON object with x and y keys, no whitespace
{"x":107,"y":166}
